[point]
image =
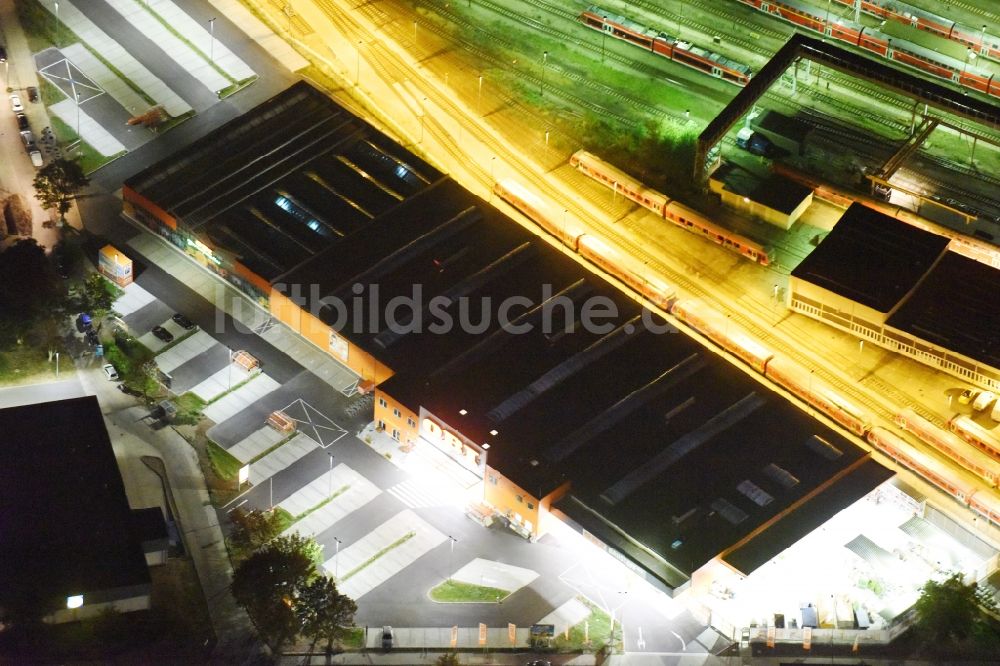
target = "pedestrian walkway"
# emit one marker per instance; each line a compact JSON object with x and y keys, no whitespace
{"x":196,"y":64}
{"x":382,"y":553}
{"x":87,"y":128}
{"x":113,"y":52}
{"x":133,"y":298}
{"x":255,"y":444}
{"x":107,"y":80}
{"x":184,"y":351}
{"x":489,"y":573}
{"x":280,"y":458}
{"x":255,"y":388}
{"x":318,"y":361}
{"x":275,"y":46}
{"x":349,"y":489}
{"x":200,"y":37}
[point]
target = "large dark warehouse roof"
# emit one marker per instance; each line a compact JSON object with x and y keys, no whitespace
{"x":872,"y":258}
{"x":285,"y":180}
{"x":64,"y":518}
{"x":951,"y":308}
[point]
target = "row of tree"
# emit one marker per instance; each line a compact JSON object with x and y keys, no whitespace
{"x":277,"y":579}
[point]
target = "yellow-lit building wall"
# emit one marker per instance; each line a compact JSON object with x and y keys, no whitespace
{"x":511,"y":500}
{"x":315,"y":331}
{"x":399,"y":422}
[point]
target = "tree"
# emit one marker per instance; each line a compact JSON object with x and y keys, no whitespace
{"x":448,"y":659}
{"x":57,"y":183}
{"x":97,"y":299}
{"x":251,"y":530}
{"x":27,"y":289}
{"x":324,"y":613}
{"x":950,"y":611}
{"x":268,"y":583}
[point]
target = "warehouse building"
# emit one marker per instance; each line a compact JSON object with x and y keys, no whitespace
{"x":71,"y":546}
{"x":651,"y":445}
{"x":899,"y":287}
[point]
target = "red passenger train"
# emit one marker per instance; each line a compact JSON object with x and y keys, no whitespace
{"x":873,"y":41}
{"x":977,"y":39}
{"x":678,"y":213}
{"x":663,"y":44}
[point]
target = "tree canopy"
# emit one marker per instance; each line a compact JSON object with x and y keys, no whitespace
{"x":27,"y":289}
{"x":950,"y":612}
{"x":57,"y":183}
{"x":251,"y":530}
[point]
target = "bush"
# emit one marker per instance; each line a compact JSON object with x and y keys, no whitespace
{"x":18,"y":216}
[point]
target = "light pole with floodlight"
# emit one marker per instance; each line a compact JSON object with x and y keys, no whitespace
{"x":545,"y":59}
{"x":451,"y":555}
{"x":57,"y":24}
{"x":211,"y":44}
{"x":336,"y":558}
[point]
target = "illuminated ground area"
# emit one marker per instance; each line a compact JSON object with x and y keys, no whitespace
{"x":873,"y":555}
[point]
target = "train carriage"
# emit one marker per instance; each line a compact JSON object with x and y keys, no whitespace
{"x":614,"y":263}
{"x":794,"y":378}
{"x":948,"y":444}
{"x":987,"y":504}
{"x":929,"y":468}
{"x":720,"y":330}
{"x":538,"y":211}
{"x":618,"y":180}
{"x":975,"y":434}
{"x":691,"y":220}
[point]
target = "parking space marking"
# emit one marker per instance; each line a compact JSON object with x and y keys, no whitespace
{"x":314,"y":423}
{"x":132,"y":299}
{"x":280,"y":458}
{"x":185,"y":351}
{"x":354,"y":490}
{"x":239,"y":399}
{"x":255,"y":444}
{"x":360,"y":576}
{"x":73,"y":83}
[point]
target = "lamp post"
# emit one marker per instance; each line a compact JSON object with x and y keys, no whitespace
{"x":76,"y":96}
{"x":982,"y":41}
{"x":604,"y":35}
{"x":329,"y":484}
{"x":357,"y":66}
{"x":451,"y":555}
{"x":545,"y":60}
{"x":970,"y":56}
{"x":57,"y":25}
{"x":336,"y":557}
{"x":479,"y":97}
{"x":211,"y":44}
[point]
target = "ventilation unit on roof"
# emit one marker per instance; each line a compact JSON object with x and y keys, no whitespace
{"x":728,"y":510}
{"x":824,"y":448}
{"x":756,"y":494}
{"x":781,"y":476}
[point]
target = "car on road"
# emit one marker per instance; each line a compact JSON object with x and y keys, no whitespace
{"x":163,"y":334}
{"x":15,"y":103}
{"x":27,"y":138}
{"x":983,"y":401}
{"x":967,"y":396}
{"x":83,"y":322}
{"x":22,"y":122}
{"x":183,"y":322}
{"x":110,"y":372}
{"x":387,"y":638}
{"x":32,"y":94}
{"x":36,"y":157}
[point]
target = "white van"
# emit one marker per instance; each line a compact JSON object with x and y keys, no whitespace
{"x":996,"y":412}
{"x":982,"y":401}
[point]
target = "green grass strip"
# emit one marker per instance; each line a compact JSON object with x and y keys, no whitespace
{"x":340,"y":491}
{"x":395,"y":544}
{"x":453,"y":591}
{"x":226,"y":466}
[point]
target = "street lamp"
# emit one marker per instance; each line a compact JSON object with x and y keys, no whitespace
{"x":211,"y":44}
{"x":57,"y":25}
{"x":604,"y":35}
{"x":479,"y":98}
{"x":541,"y":87}
{"x":336,"y":557}
{"x":357,"y":66}
{"x":451,"y":555}
{"x":329,"y":485}
{"x":970,"y":56}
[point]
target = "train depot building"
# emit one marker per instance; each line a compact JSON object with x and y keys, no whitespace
{"x":903,"y":289}
{"x":653,"y":446}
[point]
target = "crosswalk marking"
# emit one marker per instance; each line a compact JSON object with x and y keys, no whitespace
{"x":417,"y":495}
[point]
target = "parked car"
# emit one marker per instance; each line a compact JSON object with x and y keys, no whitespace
{"x":110,"y":372}
{"x":83,"y":322}
{"x":36,"y":157}
{"x":967,"y":396}
{"x":983,"y":400}
{"x":128,"y":390}
{"x":27,"y":138}
{"x":15,"y":103}
{"x":3,"y":54}
{"x":163,"y":334}
{"x":386,"y":638}
{"x":183,"y":322}
{"x":22,"y":122}
{"x":32,"y":94}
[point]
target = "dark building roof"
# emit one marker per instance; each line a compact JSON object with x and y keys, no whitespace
{"x":955,"y":307}
{"x":283,"y":181}
{"x":872,"y":258}
{"x":779,"y":193}
{"x":65,"y":520}
{"x":773,"y":122}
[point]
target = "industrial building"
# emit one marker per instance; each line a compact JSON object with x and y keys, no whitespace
{"x":901,"y":288}
{"x":71,"y":546}
{"x":656,"y":448}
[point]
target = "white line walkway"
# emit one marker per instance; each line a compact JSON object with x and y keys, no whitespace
{"x":277,"y":47}
{"x":388,"y":565}
{"x":194,"y":63}
{"x":255,"y":444}
{"x":90,"y":130}
{"x":133,"y":298}
{"x":360,"y":491}
{"x":319,"y":362}
{"x":199,"y":35}
{"x":280,"y":458}
{"x":228,"y":405}
{"x":155,"y":344}
{"x":107,"y":80}
{"x":185,"y":351}
{"x":115,"y":53}
{"x":220,"y":382}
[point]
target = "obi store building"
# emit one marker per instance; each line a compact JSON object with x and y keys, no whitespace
{"x":632,"y":434}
